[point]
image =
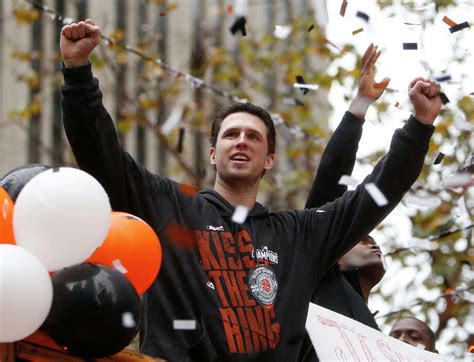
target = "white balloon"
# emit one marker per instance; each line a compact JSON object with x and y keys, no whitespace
{"x":26,"y":293}
{"x":62,"y":216}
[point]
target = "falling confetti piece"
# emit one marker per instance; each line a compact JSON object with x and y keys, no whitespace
{"x":240,"y":214}
{"x":410,"y":46}
{"x":443,"y":78}
{"x":397,"y":104}
{"x":444,"y":98}
{"x":311,"y":28}
{"x":363,"y":16}
{"x":184,"y":324}
{"x":187,"y":189}
{"x":306,"y":86}
{"x":180,"y":236}
{"x":376,"y":194}
{"x":300,"y":80}
{"x":348,"y":181}
{"x":439,"y":158}
{"x":239,"y":25}
{"x":360,"y":30}
{"x":230,"y":9}
{"x":458,"y":27}
{"x":422,"y":201}
{"x":342,"y":11}
{"x":162,"y":14}
{"x":128,"y":321}
{"x":281,"y":31}
{"x":179,"y":148}
{"x":449,"y":22}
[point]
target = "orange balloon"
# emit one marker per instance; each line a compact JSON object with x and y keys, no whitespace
{"x":133,"y":248}
{"x":6,"y":216}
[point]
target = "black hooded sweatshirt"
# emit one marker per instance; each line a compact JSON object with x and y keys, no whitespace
{"x":338,"y":291}
{"x":246,"y":285}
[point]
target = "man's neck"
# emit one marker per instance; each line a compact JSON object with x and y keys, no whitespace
{"x":245,"y":196}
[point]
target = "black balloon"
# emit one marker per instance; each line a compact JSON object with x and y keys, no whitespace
{"x":95,"y":311}
{"x":14,"y":181}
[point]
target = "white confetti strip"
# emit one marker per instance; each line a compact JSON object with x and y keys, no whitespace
{"x":348,"y":181}
{"x":184,"y":324}
{"x":306,"y":86}
{"x":458,"y":180}
{"x":118,"y":266}
{"x":422,"y":201}
{"x":282,"y":31}
{"x":128,"y":321}
{"x":240,"y":214}
{"x":376,"y":194}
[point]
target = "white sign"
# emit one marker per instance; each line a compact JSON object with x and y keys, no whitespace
{"x":338,"y":338}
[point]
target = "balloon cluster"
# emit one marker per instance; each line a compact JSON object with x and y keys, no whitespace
{"x":69,"y":264}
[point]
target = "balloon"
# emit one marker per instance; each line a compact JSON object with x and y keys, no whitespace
{"x":14,"y":181}
{"x":6,"y":215}
{"x":26,"y":293}
{"x":62,"y":216}
{"x":132,"y":247}
{"x":95,"y":311}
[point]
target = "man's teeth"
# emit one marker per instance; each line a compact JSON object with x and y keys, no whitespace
{"x":240,"y":158}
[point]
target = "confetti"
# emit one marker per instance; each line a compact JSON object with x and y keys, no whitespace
{"x":439,"y":158}
{"x":162,"y":14}
{"x":458,"y":27}
{"x":118,"y":266}
{"x":311,"y":28}
{"x":300,"y":80}
{"x":410,"y":46}
{"x":281,"y":31}
{"x":180,"y":235}
{"x":422,"y":201}
{"x":229,"y":9}
{"x":305,"y":86}
{"x":342,"y":11}
{"x":348,"y":181}
{"x":184,"y":324}
{"x":239,"y":25}
{"x":443,"y":78}
{"x":186,"y":189}
{"x":363,"y":16}
{"x":376,"y":194}
{"x":449,"y":22}
{"x":128,"y":321}
{"x":179,"y":148}
{"x":240,"y":214}
{"x":425,"y":65}
{"x":444,"y":98}
{"x":458,"y":180}
{"x":397,"y":104}
{"x":360,"y":30}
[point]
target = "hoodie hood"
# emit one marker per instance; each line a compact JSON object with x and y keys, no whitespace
{"x":227,"y":209}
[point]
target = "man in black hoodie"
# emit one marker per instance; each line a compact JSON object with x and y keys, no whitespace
{"x":245,"y":283}
{"x":346,"y":286}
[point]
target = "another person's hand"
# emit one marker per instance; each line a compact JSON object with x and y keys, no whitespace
{"x":77,"y":41}
{"x":368,"y":90}
{"x":424,"y":95}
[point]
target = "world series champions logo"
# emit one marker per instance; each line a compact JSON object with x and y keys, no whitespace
{"x":246,"y":290}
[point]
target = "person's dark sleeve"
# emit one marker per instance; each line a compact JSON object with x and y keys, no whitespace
{"x":95,"y":144}
{"x":337,"y":226}
{"x":338,"y":159}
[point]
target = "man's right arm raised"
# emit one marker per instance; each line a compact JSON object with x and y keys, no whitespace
{"x":89,"y":127}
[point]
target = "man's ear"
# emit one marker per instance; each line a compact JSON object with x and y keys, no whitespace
{"x":212,"y":155}
{"x":269,"y":161}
